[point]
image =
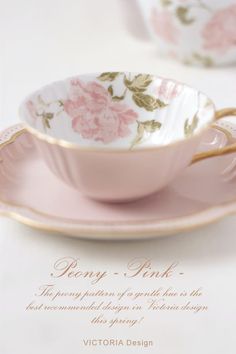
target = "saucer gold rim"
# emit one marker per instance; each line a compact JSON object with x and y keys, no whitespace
{"x":116,"y":235}
{"x":112,"y":222}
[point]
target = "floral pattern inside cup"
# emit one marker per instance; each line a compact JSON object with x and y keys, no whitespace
{"x":116,"y":109}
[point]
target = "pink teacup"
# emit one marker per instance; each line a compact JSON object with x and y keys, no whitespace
{"x":119,"y":136}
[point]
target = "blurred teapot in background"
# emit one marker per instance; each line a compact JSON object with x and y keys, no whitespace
{"x":196,"y":32}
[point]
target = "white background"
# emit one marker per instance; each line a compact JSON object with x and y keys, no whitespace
{"x":42,"y":41}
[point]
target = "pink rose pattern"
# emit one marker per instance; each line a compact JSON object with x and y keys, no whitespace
{"x":168,"y":90}
{"x":220,"y":32}
{"x":162,"y":22}
{"x":95,"y":115}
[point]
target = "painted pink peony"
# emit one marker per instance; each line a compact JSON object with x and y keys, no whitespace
{"x":95,"y":115}
{"x":162,"y":23}
{"x":220,"y":32}
{"x":168,"y":90}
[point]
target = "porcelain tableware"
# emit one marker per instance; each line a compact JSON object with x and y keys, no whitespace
{"x":31,"y":194}
{"x":118,"y":136}
{"x":197,"y":32}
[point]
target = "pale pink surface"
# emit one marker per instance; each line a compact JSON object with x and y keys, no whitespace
{"x":220,"y":32}
{"x":117,"y":176}
{"x":30,"y":183}
{"x":31,"y":109}
{"x":163,"y":25}
{"x":95,"y":115}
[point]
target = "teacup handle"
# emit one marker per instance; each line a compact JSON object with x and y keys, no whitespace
{"x":221,"y":151}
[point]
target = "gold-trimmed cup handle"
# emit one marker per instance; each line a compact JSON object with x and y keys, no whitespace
{"x":221,"y":151}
